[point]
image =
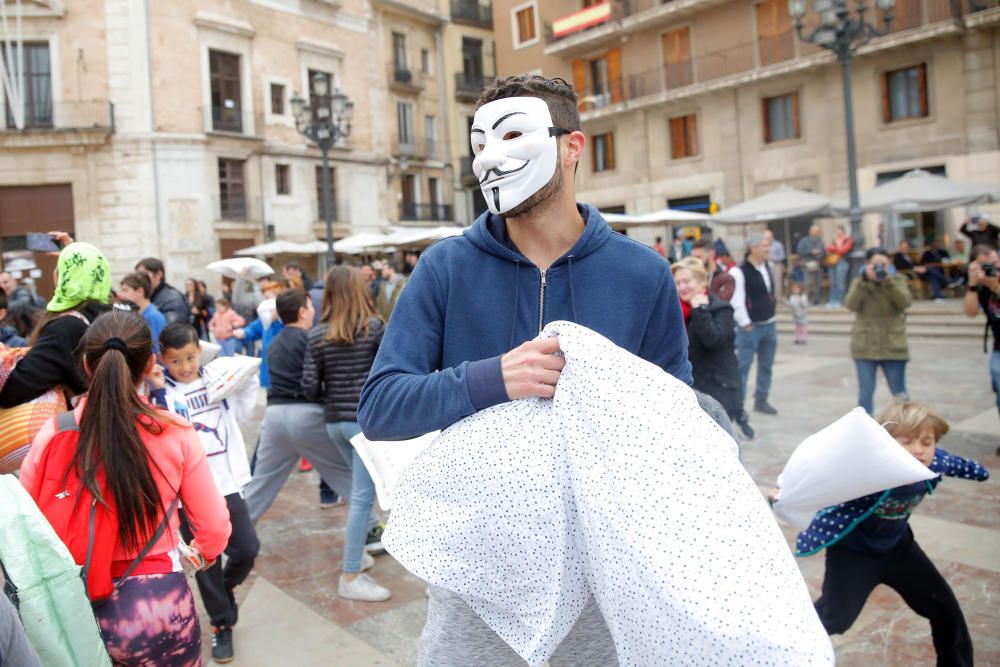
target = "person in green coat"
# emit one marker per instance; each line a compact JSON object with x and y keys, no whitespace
{"x":878,"y":337}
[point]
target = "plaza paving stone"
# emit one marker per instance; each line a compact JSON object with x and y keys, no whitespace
{"x":291,"y":614}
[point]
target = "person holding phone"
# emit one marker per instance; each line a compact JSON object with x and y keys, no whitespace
{"x":880,"y":298}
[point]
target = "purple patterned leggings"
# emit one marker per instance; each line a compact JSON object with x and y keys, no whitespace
{"x":151,"y":621}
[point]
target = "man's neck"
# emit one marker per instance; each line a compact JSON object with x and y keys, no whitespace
{"x":756,"y":262}
{"x":301,"y":324}
{"x":144,"y":304}
{"x":548,"y":231}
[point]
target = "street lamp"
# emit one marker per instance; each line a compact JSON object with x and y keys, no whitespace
{"x":324,"y":122}
{"x":844,"y":34}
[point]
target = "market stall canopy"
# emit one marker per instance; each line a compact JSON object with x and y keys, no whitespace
{"x":919,"y":190}
{"x":662,"y":217}
{"x":248,"y":268}
{"x":780,"y":203}
{"x":279,"y":248}
{"x":421,"y":236}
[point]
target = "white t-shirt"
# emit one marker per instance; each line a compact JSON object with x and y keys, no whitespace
{"x":217,"y":426}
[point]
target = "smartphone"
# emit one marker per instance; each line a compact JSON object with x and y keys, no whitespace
{"x":42,"y":242}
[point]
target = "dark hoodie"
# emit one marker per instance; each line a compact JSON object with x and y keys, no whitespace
{"x":474,"y":297}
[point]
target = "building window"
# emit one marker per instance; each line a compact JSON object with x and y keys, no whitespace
{"x":599,"y":87}
{"x":425,"y":61}
{"x":904,"y":94}
{"x":314,"y":100}
{"x":283,"y":179}
{"x":232,"y":192}
{"x":677,"y":58}
{"x":404,"y":120}
{"x":319,"y":192}
{"x":683,"y":136}
{"x":277,"y":99}
{"x":774,"y":32}
{"x":37,"y":105}
{"x":399,"y":51}
{"x":604,"y":152}
{"x":408,"y":185}
{"x":224,"y":73}
{"x":781,"y":117}
{"x":525,"y":25}
{"x":430,"y":135}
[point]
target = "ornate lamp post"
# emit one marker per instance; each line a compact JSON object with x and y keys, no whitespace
{"x":324,"y":123}
{"x":844,"y":32}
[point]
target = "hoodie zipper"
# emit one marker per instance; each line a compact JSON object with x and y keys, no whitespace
{"x":541,"y":302}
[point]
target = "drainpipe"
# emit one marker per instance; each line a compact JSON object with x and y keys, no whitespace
{"x":445,"y":133}
{"x":152,"y":130}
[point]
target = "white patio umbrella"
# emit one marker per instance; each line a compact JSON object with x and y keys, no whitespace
{"x":919,"y":190}
{"x":421,"y":235}
{"x":360,"y":242}
{"x":277,"y":248}
{"x":781,"y":203}
{"x":661,"y":218}
{"x":248,"y":268}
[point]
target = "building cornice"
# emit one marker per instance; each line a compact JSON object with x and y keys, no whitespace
{"x":320,"y":48}
{"x":40,"y":9}
{"x":221,"y":23}
{"x":402,"y":9}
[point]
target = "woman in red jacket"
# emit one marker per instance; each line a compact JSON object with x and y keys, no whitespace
{"x":137,"y":462}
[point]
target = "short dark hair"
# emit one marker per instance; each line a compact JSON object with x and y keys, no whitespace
{"x":701,"y":243}
{"x":871,"y":252}
{"x":3,"y":300}
{"x":139,"y":280}
{"x":177,"y":335}
{"x":292,"y":264}
{"x":151,"y":264}
{"x":558,"y":95}
{"x":289,"y":303}
{"x":978,"y":250}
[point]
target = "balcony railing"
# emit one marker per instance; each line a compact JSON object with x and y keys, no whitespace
{"x":470,"y":85}
{"x":473,"y":13}
{"x":404,"y":79}
{"x":430,"y":212}
{"x":465,"y":171}
{"x":74,"y":115}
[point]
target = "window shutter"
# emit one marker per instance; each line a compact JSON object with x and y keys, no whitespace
{"x":692,"y":134}
{"x":593,"y":153}
{"x":922,"y":80}
{"x":765,"y":120}
{"x":886,"y":103}
{"x":795,"y":114}
{"x":676,"y":138}
{"x":610,"y":161}
{"x":615,"y":75}
{"x":580,"y":82}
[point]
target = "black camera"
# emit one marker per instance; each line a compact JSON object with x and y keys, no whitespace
{"x":880,"y":272}
{"x":989,"y":270}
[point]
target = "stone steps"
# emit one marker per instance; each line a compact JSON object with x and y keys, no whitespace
{"x":923,"y":320}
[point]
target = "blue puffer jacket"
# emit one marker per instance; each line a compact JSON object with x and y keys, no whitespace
{"x":832,"y":524}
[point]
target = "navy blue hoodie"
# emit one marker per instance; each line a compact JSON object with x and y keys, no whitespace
{"x":474,"y":297}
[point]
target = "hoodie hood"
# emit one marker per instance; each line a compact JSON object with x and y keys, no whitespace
{"x":489,"y":234}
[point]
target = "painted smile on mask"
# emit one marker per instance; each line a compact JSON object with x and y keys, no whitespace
{"x":516,"y":150}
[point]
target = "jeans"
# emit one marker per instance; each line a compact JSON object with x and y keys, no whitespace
{"x":362,"y":499}
{"x":937,"y":280}
{"x":995,"y":374}
{"x":762,"y":341}
{"x":895,"y":375}
{"x":229,"y":347}
{"x":838,"y":281}
{"x":815,"y":280}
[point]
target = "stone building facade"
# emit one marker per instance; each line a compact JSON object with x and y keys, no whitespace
{"x":701,"y":104}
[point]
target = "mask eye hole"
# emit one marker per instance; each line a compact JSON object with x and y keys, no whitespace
{"x":513,"y":134}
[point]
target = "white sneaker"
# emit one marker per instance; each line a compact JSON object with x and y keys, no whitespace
{"x":367,"y":562}
{"x":363,"y":588}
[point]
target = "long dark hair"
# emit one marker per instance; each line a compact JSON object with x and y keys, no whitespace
{"x":116,"y":349}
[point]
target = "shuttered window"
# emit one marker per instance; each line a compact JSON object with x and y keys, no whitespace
{"x":677,"y":58}
{"x":904,"y":94}
{"x":604,"y":152}
{"x":524,"y":21}
{"x":781,"y":117}
{"x":774,"y":32}
{"x":683,"y":136}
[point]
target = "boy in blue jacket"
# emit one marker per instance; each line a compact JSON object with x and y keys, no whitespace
{"x":868,"y":541}
{"x":461,"y":336}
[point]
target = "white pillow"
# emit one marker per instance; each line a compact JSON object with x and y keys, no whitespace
{"x":226,"y":375}
{"x":387,"y":460}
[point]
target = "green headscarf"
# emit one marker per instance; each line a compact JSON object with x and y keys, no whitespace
{"x":84,"y":275}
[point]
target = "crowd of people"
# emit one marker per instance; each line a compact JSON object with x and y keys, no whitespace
{"x":163,"y":471}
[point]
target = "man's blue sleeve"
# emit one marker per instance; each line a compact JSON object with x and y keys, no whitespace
{"x":407,"y":393}
{"x":665,"y":342}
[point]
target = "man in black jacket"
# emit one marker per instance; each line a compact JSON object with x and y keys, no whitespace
{"x":171,"y":302}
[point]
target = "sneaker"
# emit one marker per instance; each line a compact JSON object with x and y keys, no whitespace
{"x":367,"y":562}
{"x":764,"y":407}
{"x":222,"y":644}
{"x":373,"y":543}
{"x":326,"y":502}
{"x":363,"y":588}
{"x":744,"y":425}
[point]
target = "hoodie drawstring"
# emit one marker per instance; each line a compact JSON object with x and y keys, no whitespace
{"x":572,"y":295}
{"x":517,"y":294}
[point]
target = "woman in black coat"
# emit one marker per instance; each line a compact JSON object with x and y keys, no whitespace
{"x":711,"y":335}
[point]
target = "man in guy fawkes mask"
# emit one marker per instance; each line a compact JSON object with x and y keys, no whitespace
{"x":461,"y":336}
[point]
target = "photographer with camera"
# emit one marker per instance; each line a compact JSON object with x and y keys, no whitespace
{"x":878,"y":337}
{"x":984,"y":295}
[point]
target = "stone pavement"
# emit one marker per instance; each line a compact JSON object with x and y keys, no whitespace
{"x":291,"y":615}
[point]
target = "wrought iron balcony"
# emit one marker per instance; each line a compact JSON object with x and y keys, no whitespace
{"x":431,"y":212}
{"x":470,"y":85}
{"x":472,"y":13}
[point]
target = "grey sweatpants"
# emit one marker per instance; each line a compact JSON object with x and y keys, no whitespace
{"x":290,"y":432}
{"x":455,"y":636}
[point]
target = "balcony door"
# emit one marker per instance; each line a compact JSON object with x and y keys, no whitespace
{"x":224,"y":72}
{"x":774,"y":28}
{"x":472,"y":59}
{"x":677,"y":58}
{"x":37,"y":103}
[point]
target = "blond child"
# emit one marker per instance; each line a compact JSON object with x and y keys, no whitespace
{"x":868,"y":541}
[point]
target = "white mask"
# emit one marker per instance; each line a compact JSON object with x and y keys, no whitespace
{"x":516,"y":150}
{"x":265,"y":312}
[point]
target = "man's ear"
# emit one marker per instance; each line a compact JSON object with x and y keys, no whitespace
{"x":575,"y":142}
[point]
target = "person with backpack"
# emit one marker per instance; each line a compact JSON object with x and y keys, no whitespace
{"x":109,"y":477}
{"x":185,"y":392}
{"x":339,"y":355}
